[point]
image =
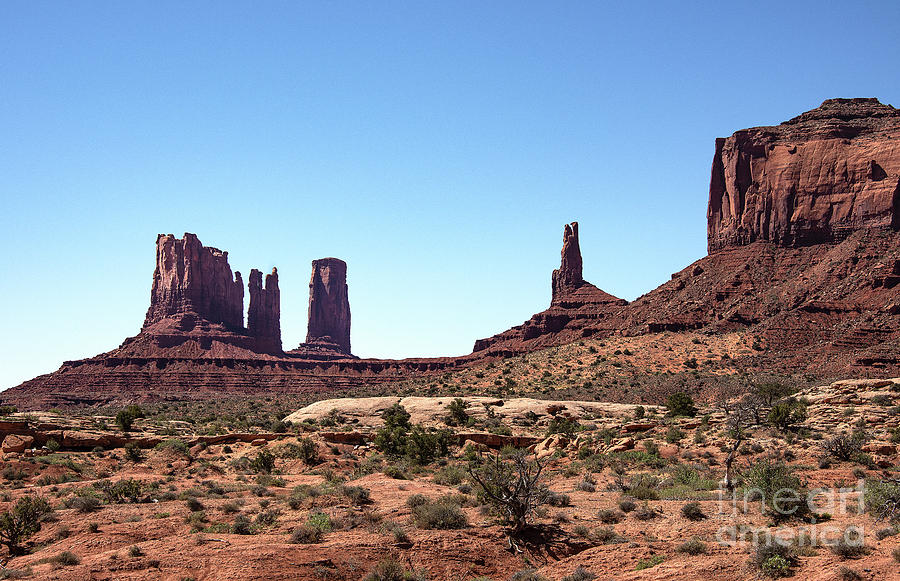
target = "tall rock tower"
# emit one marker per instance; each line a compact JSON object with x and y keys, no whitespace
{"x":329,"y":307}
{"x":264,"y":314}
{"x":567,"y":277}
{"x":192,"y":281}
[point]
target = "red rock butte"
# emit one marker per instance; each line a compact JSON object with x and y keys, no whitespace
{"x":804,"y":252}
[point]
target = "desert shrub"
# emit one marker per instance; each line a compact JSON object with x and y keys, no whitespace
{"x":449,"y":475}
{"x":586,"y":486}
{"x":456,"y":413}
{"x":851,"y":544}
{"x":417,"y":500}
{"x":122,"y":491}
{"x":896,"y":554}
{"x":605,"y":535}
{"x":692,"y":547}
{"x":848,"y":574}
{"x":627,"y":505}
{"x":391,"y":570}
{"x":883,"y":500}
{"x":66,"y":559}
{"x":306,"y":535}
{"x":22,"y":521}
{"x":424,"y":445}
{"x":885,"y":532}
{"x":771,"y":391}
{"x":674,"y":435}
{"x":135,"y":551}
{"x":193,"y":504}
{"x":692,"y":511}
{"x":356,"y":494}
{"x":645,"y":512}
{"x":83,"y":504}
{"x":267,"y":518}
{"x":391,"y":438}
{"x":610,"y":517}
{"x":125,"y":418}
{"x":563,"y":425}
{"x":681,"y":404}
{"x":843,"y":446}
{"x":774,"y":560}
{"x":512,"y":485}
{"x":781,"y":493}
{"x":175,"y":445}
{"x":580,"y":574}
{"x":133,"y":452}
{"x":439,"y":515}
{"x":787,"y":413}
{"x":558,"y":499}
{"x":264,"y":463}
{"x":233,"y":507}
{"x":649,"y":563}
{"x":242,"y":525}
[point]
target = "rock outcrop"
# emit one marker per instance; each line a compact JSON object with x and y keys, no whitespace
{"x":576,"y":306}
{"x":567,"y":278}
{"x":264,"y":314}
{"x":194,"y":282}
{"x":329,"y":306}
{"x":804,"y":241}
{"x":813,"y":179}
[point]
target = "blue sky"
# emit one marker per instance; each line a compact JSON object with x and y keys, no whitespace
{"x":438,"y":148}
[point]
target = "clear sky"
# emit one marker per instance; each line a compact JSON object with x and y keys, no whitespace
{"x":437,"y":147}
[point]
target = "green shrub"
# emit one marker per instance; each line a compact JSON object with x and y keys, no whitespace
{"x":175,"y":445}
{"x":648,"y":563}
{"x":692,"y":511}
{"x":122,"y":491}
{"x":264,"y":463}
{"x":883,"y":500}
{"x":692,"y":547}
{"x":439,"y":515}
{"x":851,"y":544}
{"x":22,"y":521}
{"x":786,"y":414}
{"x":774,"y":559}
{"x":66,"y":559}
{"x":306,"y":535}
{"x":357,"y":494}
{"x":781,"y":493}
{"x":674,"y":435}
{"x":610,"y":517}
{"x":125,"y":418}
{"x":133,"y":452}
{"x":681,"y":404}
{"x":456,"y":413}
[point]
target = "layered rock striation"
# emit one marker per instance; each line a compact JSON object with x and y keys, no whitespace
{"x":813,"y":179}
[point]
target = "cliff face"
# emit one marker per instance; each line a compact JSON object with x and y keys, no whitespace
{"x":329,"y":306}
{"x":192,"y":281}
{"x":264,"y":314}
{"x":813,"y":179}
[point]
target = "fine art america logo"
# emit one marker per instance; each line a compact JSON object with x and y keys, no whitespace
{"x":816,"y":506}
